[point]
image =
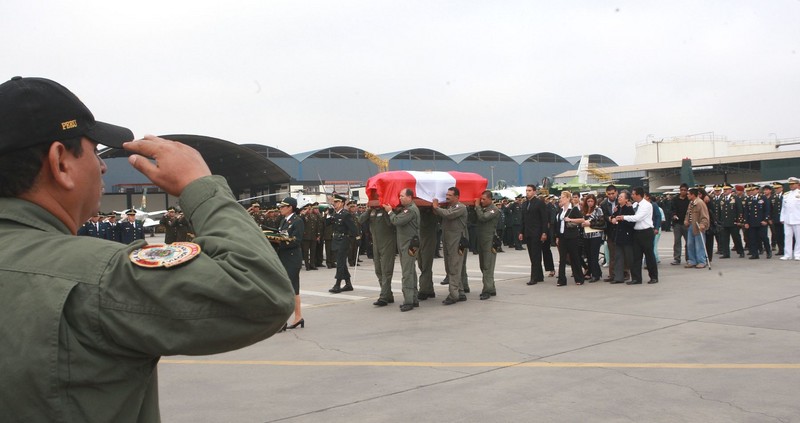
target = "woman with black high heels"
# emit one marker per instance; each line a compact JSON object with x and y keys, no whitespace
{"x":290,"y":253}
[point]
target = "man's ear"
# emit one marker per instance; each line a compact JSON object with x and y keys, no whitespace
{"x":61,"y":161}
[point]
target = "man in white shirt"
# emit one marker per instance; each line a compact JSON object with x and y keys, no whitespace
{"x":643,"y":237}
{"x":790,"y":217}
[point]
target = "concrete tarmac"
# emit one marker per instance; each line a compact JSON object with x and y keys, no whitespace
{"x":719,"y":345}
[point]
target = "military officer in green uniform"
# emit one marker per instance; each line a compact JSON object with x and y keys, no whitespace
{"x":86,"y":320}
{"x":454,"y":227}
{"x":428,"y":222}
{"x":384,"y":248}
{"x":488,"y":214}
{"x":344,"y":229}
{"x":406,"y":220}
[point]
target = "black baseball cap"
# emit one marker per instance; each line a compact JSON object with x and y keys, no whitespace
{"x":36,"y":111}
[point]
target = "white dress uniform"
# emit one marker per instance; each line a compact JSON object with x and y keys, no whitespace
{"x":790,"y":216}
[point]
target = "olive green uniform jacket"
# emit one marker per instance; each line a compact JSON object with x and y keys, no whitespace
{"x":83,"y":327}
{"x":484,"y":232}
{"x":384,"y":248}
{"x":406,"y":220}
{"x":454,"y":226}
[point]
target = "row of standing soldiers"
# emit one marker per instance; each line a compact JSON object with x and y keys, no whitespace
{"x":105,"y":226}
{"x":754,"y":211}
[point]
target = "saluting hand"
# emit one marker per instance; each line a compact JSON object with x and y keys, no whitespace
{"x":176,"y":164}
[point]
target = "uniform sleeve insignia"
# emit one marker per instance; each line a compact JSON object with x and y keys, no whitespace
{"x":491,"y":211}
{"x":405,"y":211}
{"x":165,"y":255}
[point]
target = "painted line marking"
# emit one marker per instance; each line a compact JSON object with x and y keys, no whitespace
{"x":733,"y":366}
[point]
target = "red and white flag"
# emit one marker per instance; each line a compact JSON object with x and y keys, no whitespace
{"x":385,"y":187}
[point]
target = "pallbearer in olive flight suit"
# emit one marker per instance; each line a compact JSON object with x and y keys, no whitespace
{"x":454,"y":227}
{"x":406,"y":220}
{"x":488,"y":214}
{"x":427,"y":250}
{"x":384,"y":248}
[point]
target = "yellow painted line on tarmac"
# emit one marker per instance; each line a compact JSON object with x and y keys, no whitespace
{"x":735,"y":366}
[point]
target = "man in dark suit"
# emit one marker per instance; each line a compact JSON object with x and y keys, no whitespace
{"x":534,"y":231}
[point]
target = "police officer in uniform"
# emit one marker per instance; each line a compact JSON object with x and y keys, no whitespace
{"x":384,"y":248}
{"x":488,"y":215}
{"x":406,"y":220}
{"x":756,"y":215}
{"x":130,"y":229}
{"x":292,"y":228}
{"x":344,"y":229}
{"x":454,"y":227}
{"x":85,"y":320}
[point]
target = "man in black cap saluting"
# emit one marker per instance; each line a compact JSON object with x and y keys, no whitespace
{"x":85,"y":320}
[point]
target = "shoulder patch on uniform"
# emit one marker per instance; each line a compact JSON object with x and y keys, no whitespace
{"x":405,"y":211}
{"x":164,"y":255}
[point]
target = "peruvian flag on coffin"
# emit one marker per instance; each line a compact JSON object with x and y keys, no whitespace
{"x":384,"y":188}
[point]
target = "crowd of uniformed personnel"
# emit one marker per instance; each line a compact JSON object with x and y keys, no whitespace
{"x":105,"y":226}
{"x":749,"y":216}
{"x":336,"y":236}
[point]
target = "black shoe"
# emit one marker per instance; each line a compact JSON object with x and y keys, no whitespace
{"x":449,"y":301}
{"x":633,"y":283}
{"x":676,"y":262}
{"x":462,"y":297}
{"x":613,"y":282}
{"x":753,"y":257}
{"x":561,"y":284}
{"x":741,"y":255}
{"x":406,"y":307}
{"x":330,"y":266}
{"x":725,"y":256}
{"x":444,"y":283}
{"x":283,"y":328}
{"x":652,"y":281}
{"x":301,"y":323}
{"x":437,"y":256}
{"x":347,"y":287}
{"x":485,"y":296}
{"x":466,"y":290}
{"x":380,"y":303}
{"x":416,"y":304}
{"x":531,"y":282}
{"x":608,"y":279}
{"x":335,"y":290}
{"x":519,"y":249}
{"x":769,"y":255}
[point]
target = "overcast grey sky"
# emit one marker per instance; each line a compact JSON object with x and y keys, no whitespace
{"x":570,"y":77}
